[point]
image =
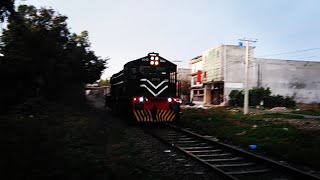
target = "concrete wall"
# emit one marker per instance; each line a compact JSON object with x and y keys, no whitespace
{"x":285,"y":77}
{"x":235,"y":69}
{"x":184,"y":74}
{"x":289,"y":77}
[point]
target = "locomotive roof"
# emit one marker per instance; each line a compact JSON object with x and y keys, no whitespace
{"x":138,"y":61}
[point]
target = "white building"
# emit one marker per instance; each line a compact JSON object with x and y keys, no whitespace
{"x":221,"y":70}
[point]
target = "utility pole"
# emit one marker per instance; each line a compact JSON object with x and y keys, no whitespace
{"x":246,"y":85}
{"x":1,"y":32}
{"x":224,"y":70}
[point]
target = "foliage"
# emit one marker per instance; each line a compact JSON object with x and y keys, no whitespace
{"x":258,"y":94}
{"x":104,"y":82}
{"x":236,"y":98}
{"x":273,"y":101}
{"x":42,"y":58}
{"x":6,"y":7}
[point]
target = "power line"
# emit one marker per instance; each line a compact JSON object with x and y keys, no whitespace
{"x":311,"y":57}
{"x":300,"y":57}
{"x":292,"y":52}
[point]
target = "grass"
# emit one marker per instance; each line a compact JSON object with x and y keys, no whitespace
{"x":312,"y":112}
{"x":54,"y":141}
{"x":278,"y":115}
{"x":279,"y":139}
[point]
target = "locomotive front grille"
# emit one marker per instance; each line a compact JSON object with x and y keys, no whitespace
{"x":160,"y":115}
{"x":165,"y":115}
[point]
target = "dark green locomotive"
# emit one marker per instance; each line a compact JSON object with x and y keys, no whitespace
{"x":146,"y":89}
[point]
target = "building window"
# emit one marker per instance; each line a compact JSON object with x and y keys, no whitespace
{"x":197,"y":92}
{"x":198,"y":98}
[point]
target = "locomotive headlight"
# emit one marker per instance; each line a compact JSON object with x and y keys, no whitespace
{"x":141,"y":99}
{"x":156,"y":63}
{"x":156,"y":58}
{"x":152,"y":57}
{"x":169,"y":99}
{"x":151,"y":62}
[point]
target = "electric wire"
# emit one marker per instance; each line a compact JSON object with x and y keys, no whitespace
{"x":292,"y":52}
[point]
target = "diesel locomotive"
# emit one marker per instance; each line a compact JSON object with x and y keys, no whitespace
{"x":145,"y":90}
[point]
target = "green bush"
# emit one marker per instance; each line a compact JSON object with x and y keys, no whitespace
{"x":273,"y":101}
{"x":258,"y":94}
{"x":236,"y":98}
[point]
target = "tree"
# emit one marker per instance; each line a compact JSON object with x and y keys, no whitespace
{"x":6,"y":7}
{"x":93,"y":65}
{"x":42,"y":58}
{"x":104,"y":82}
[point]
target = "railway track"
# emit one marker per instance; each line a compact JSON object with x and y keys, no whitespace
{"x":230,"y":162}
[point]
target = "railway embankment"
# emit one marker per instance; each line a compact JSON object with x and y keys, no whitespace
{"x":45,"y":140}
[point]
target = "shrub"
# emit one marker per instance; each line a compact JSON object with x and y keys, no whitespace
{"x":274,"y":101}
{"x":258,"y":94}
{"x":236,"y":98}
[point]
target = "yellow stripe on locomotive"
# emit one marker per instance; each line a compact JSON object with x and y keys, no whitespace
{"x":161,"y":115}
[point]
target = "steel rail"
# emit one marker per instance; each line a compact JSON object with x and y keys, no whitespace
{"x":189,"y":154}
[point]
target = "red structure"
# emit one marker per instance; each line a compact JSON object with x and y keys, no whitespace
{"x":199,"y":73}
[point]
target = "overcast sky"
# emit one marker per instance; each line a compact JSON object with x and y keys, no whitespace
{"x":182,"y":29}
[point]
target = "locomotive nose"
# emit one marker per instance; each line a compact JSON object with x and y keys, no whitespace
{"x":154,"y":112}
{"x":175,"y":107}
{"x":139,"y":105}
